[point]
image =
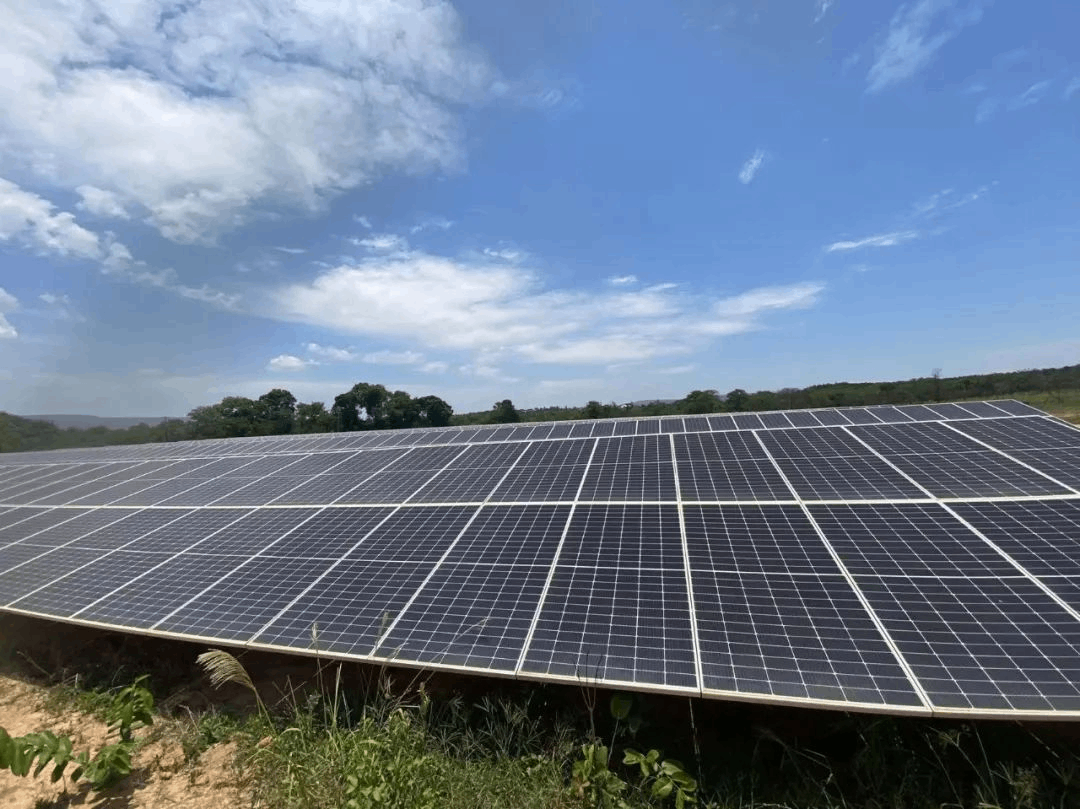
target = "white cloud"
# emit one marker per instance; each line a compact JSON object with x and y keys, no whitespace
{"x":292,"y":251}
{"x":393,"y":357}
{"x":917,"y":32}
{"x":8,"y":303}
{"x":622,"y":280}
{"x":196,"y":114}
{"x":289,"y":363}
{"x":382,"y":243}
{"x":102,"y":203}
{"x":363,"y":220}
{"x":30,"y":219}
{"x":503,"y":314}
{"x":881,"y":240}
{"x":677,"y":369}
{"x":757,"y":301}
{"x":1032,"y":95}
{"x":751,"y":167}
{"x":823,"y":7}
{"x":330,"y":353}
{"x":435,"y":367}
{"x":505,"y":254}
{"x":1072,"y":88}
{"x":432,"y":223}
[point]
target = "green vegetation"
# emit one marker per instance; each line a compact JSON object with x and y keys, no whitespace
{"x":349,"y":736}
{"x":368,"y":406}
{"x":127,"y":711}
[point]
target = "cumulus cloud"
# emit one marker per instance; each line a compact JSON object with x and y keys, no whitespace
{"x":880,"y":240}
{"x":289,"y":363}
{"x":26,"y":217}
{"x":752,"y":166}
{"x":505,"y":314}
{"x":196,"y":114}
{"x":8,"y":304}
{"x":916,"y":33}
{"x":102,"y":203}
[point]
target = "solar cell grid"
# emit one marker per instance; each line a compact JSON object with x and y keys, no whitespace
{"x":748,"y":479}
{"x":777,"y":420}
{"x":838,"y":478}
{"x":859,"y":415}
{"x":1043,"y":536}
{"x":1014,"y":434}
{"x":747,"y":421}
{"x":188,"y":531}
{"x":1062,"y":465}
{"x":23,"y":577}
{"x":914,"y":439}
{"x":79,"y":524}
{"x":720,"y":422}
{"x":528,"y":483}
{"x":754,"y":539}
{"x":136,"y":523}
{"x":419,"y":534}
{"x":812,"y":443}
{"x":989,"y":644}
{"x":615,"y":624}
{"x":158,"y":592}
{"x":471,"y":485}
{"x":26,"y":522}
{"x":243,"y":602}
{"x":1016,"y":408}
{"x":348,"y":607}
{"x":710,"y":447}
{"x":909,"y":539}
{"x":624,"y":536}
{"x":804,"y":637}
{"x":389,"y":486}
{"x":468,"y":615}
{"x":974,"y":474}
{"x":672,"y":425}
{"x":503,"y":535}
{"x":68,"y":594}
{"x":329,"y":534}
{"x":803,"y":418}
{"x":950,"y":411}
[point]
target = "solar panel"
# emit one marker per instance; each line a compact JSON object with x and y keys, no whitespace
{"x":905,"y":559}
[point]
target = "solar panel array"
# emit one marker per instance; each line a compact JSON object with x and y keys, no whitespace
{"x":906,"y":559}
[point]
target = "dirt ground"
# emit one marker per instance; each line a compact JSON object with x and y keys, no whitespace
{"x":160,"y":777}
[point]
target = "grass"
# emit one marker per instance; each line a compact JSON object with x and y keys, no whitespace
{"x":1064,"y":404}
{"x":362,"y":742}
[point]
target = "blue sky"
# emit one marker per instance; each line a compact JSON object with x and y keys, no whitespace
{"x":552,"y":202}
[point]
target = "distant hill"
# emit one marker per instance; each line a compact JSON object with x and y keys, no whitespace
{"x":109,"y":422}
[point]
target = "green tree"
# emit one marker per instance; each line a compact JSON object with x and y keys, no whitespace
{"x":593,"y":410}
{"x":433,"y":412}
{"x":504,"y":412}
{"x":276,"y":412}
{"x":737,"y":400}
{"x":701,"y":401}
{"x":313,"y":417}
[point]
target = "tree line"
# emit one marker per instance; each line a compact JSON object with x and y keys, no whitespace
{"x":368,"y":406}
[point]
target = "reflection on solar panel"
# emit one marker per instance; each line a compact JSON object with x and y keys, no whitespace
{"x":919,"y":559}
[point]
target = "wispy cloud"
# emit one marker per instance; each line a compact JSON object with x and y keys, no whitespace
{"x":1032,"y":95}
{"x":382,"y":243}
{"x":363,"y":221}
{"x":504,"y":313}
{"x":292,"y":251}
{"x":393,"y":357}
{"x":432,"y":223}
{"x":823,"y":7}
{"x":752,"y":166}
{"x":1071,"y":88}
{"x":917,"y":32}
{"x":505,"y":254}
{"x":622,"y":280}
{"x":880,"y":240}
{"x":330,"y":353}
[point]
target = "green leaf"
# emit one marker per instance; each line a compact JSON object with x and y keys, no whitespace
{"x":662,"y":788}
{"x":620,"y":705}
